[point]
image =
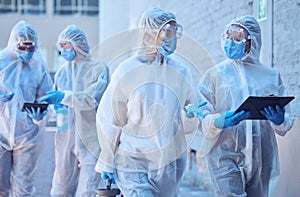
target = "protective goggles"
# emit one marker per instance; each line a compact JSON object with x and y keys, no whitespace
{"x":168,"y":32}
{"x":64,"y":45}
{"x":237,"y":34}
{"x":26,"y":46}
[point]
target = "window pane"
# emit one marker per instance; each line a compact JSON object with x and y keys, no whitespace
{"x":93,"y":3}
{"x":78,"y":7}
{"x":8,"y":6}
{"x":38,"y":6}
{"x":65,"y":7}
{"x":66,"y":3}
{"x":90,"y":7}
{"x":33,"y":6}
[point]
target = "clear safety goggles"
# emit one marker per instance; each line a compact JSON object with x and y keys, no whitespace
{"x":237,"y":34}
{"x":26,"y":46}
{"x":63,"y":45}
{"x":168,"y":32}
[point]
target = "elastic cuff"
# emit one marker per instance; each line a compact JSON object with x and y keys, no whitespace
{"x":40,"y":122}
{"x":67,"y":98}
{"x":209,"y":128}
{"x":278,"y":127}
{"x":100,"y":167}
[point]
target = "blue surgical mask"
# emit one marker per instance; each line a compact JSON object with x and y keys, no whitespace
{"x":24,"y":56}
{"x":167,"y":47}
{"x":234,"y":50}
{"x":69,"y":54}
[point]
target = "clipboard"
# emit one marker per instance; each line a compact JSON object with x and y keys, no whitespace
{"x":42,"y":106}
{"x":255,"y":104}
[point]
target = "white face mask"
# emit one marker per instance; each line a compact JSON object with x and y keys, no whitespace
{"x":167,"y":47}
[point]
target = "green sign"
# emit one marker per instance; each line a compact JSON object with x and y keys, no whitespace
{"x":262,"y":10}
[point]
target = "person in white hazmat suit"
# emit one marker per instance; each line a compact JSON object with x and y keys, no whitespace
{"x":243,"y":159}
{"x":79,"y":85}
{"x":140,"y":119}
{"x":23,"y":79}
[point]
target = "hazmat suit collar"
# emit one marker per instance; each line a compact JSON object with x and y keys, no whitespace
{"x":153,"y":58}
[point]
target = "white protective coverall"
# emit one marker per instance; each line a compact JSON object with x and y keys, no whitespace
{"x":77,"y":149}
{"x":20,"y":137}
{"x":243,"y":160}
{"x":140,"y":119}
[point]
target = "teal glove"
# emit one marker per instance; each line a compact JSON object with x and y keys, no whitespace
{"x":58,"y":106}
{"x":53,"y":97}
{"x":37,"y":115}
{"x":107,"y":176}
{"x":192,"y":110}
{"x":275,"y":116}
{"x":228,"y":119}
{"x":6,"y":97}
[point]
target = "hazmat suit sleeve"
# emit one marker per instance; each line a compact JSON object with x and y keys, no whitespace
{"x":192,"y":97}
{"x":207,"y":133}
{"x":189,"y":124}
{"x":111,"y":117}
{"x":89,"y":97}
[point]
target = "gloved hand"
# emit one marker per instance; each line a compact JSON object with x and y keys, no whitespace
{"x":228,"y":119}
{"x":275,"y":116}
{"x":192,"y":110}
{"x":37,"y":115}
{"x":53,"y":97}
{"x":57,"y":106}
{"x":6,"y":97}
{"x":107,"y":175}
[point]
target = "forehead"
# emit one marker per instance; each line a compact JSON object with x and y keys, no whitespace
{"x":65,"y":44}
{"x":24,"y":40}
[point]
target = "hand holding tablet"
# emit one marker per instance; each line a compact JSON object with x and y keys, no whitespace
{"x":255,"y":104}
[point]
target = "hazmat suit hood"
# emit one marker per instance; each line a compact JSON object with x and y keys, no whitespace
{"x":150,"y":25}
{"x":77,"y":38}
{"x":251,"y":25}
{"x":22,"y":31}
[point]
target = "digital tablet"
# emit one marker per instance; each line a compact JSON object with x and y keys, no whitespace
{"x":43,"y":106}
{"x":255,"y":104}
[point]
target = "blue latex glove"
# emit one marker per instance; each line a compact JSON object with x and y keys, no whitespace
{"x":275,"y":116}
{"x":37,"y":115}
{"x":228,"y":119}
{"x":53,"y":97}
{"x":57,"y":106}
{"x":6,"y":97}
{"x":192,"y":110}
{"x":105,"y":176}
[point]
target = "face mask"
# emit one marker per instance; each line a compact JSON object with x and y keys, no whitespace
{"x":234,"y":50}
{"x":167,"y":47}
{"x":69,"y":54}
{"x":24,"y":56}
